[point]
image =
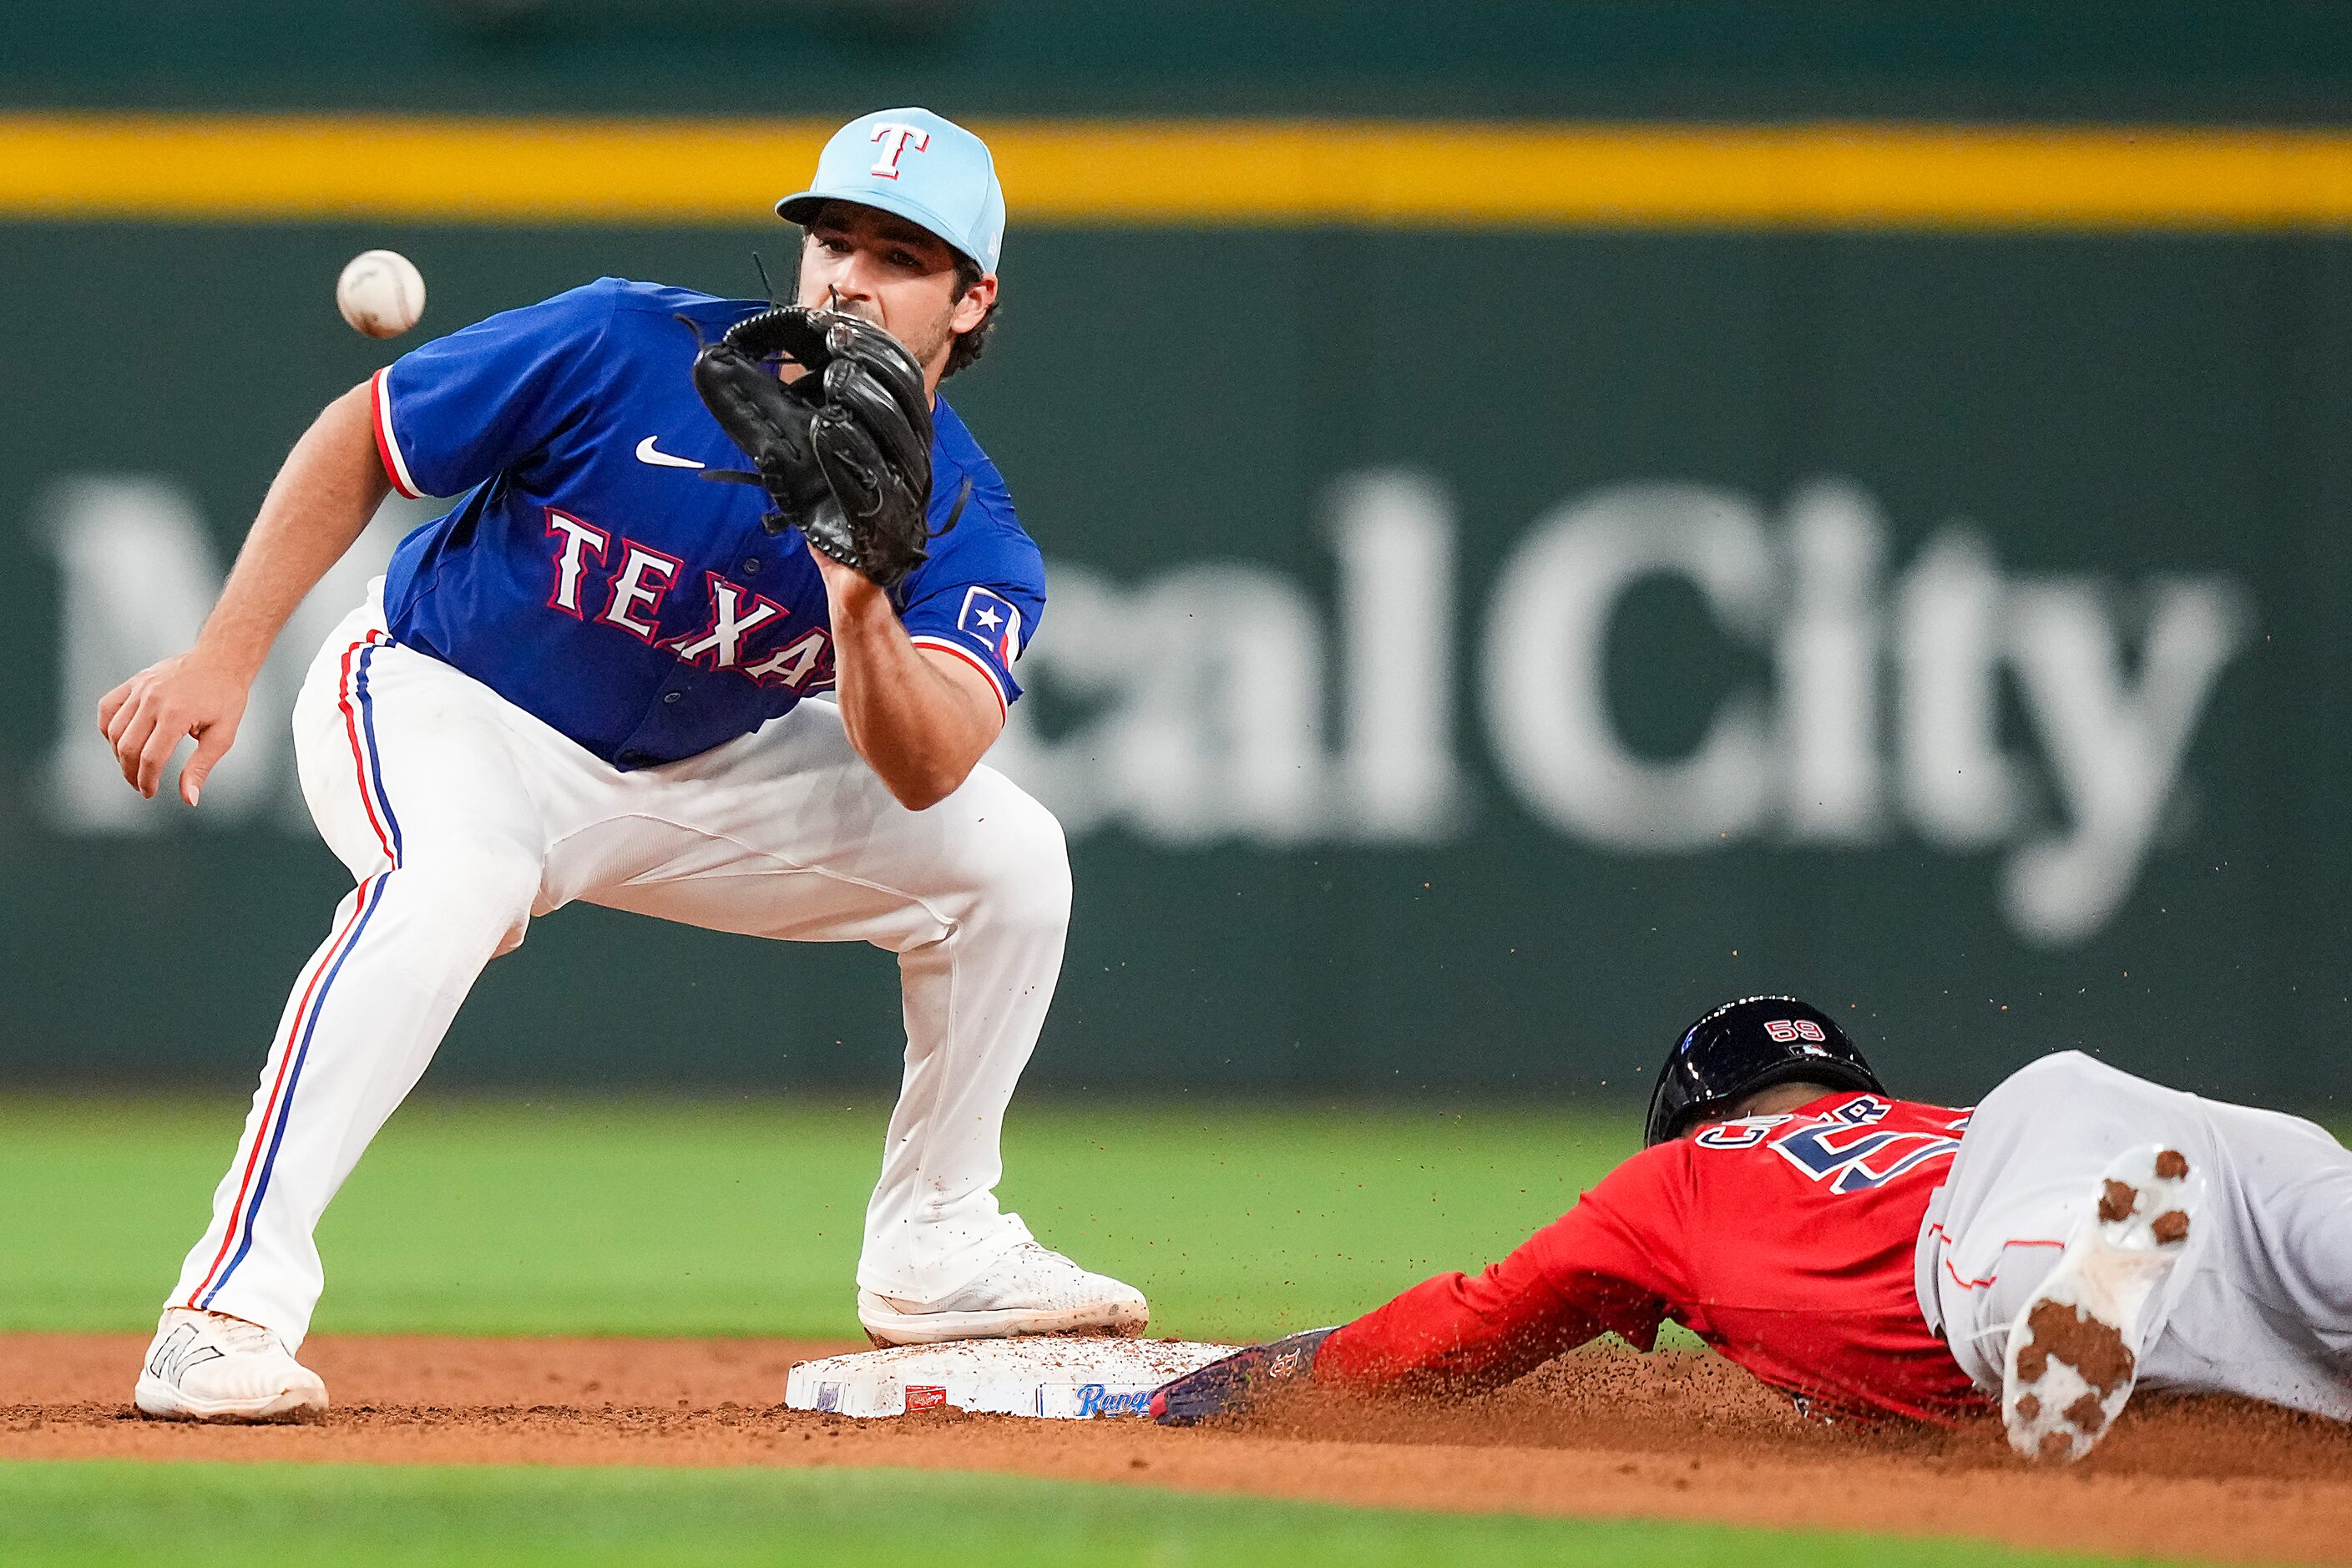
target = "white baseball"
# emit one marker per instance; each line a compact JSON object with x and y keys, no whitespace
{"x":381,"y":293}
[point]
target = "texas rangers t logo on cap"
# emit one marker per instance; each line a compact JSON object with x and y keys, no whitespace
{"x":993,"y":620}
{"x":896,"y":141}
{"x":918,"y":165}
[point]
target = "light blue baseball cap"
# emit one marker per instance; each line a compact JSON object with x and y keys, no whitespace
{"x":922,"y":166}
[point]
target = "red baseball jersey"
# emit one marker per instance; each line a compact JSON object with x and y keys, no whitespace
{"x":1785,"y":1242}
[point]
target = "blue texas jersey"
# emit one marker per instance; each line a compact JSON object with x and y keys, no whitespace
{"x":593,"y":577}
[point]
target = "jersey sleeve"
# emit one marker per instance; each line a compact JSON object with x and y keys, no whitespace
{"x":486,"y":397}
{"x":1602,"y":1268}
{"x":983,"y":593}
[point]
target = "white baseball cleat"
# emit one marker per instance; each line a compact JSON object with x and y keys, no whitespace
{"x":209,"y":1366}
{"x":2073,"y":1352}
{"x":1032,"y":1289}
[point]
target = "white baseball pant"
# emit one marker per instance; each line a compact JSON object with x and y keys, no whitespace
{"x":462,"y":816}
{"x":2261,"y":1302}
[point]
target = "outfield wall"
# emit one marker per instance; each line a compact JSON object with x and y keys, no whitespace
{"x":2264,"y":62}
{"x":1473,"y":646}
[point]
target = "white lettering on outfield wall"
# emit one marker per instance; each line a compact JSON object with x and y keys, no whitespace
{"x":1803,"y":763}
{"x":1221,"y":700}
{"x":2116,"y":746}
{"x":1207,"y":690}
{"x":1548,"y":703}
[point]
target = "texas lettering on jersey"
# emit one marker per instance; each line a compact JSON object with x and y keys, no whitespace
{"x":590,"y":574}
{"x":798,"y":660}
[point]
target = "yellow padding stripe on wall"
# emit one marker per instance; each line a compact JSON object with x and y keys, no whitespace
{"x":1196,"y":172}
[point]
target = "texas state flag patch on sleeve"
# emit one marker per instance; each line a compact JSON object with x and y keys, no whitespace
{"x":992,"y":618}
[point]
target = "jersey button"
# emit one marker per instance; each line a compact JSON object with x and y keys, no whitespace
{"x":752,"y":567}
{"x":672,"y":696}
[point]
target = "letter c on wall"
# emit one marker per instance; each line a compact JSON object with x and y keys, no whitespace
{"x":1547,"y":633}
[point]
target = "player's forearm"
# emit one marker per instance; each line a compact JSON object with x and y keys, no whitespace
{"x":1456,"y":1329}
{"x":330,"y":486}
{"x":915,"y":726}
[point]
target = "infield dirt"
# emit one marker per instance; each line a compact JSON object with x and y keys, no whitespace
{"x":1602,"y":1432}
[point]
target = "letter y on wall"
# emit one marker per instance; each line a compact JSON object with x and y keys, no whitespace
{"x":2116,"y":748}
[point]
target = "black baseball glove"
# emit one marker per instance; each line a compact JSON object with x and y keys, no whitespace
{"x":844,"y":451}
{"x":1236,"y":1382}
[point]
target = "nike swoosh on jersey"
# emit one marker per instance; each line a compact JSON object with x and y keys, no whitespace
{"x":648,"y":453}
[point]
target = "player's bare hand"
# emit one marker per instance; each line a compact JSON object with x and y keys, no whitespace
{"x":147,"y":717}
{"x":851,"y":589}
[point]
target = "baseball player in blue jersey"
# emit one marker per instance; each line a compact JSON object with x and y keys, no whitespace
{"x":591,"y":680}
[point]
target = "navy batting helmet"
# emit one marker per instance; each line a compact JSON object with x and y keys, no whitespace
{"x":1746,"y":1046}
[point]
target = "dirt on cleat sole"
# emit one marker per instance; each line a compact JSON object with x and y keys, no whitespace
{"x":2072,"y":1355}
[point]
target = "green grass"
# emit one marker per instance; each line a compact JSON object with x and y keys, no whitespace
{"x":639,"y":1216}
{"x":634,"y":1216}
{"x":116,"y":1512}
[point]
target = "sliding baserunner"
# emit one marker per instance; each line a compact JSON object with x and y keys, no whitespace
{"x":2079,"y":1231}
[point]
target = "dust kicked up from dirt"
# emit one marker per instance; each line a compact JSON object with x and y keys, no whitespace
{"x":1602,"y":1432}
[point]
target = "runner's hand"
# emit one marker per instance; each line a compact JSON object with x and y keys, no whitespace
{"x":1234,"y":1383}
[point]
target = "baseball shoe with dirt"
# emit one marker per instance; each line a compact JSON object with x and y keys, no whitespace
{"x":209,"y":1366}
{"x":1029,"y":1290}
{"x":2073,"y":1352}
